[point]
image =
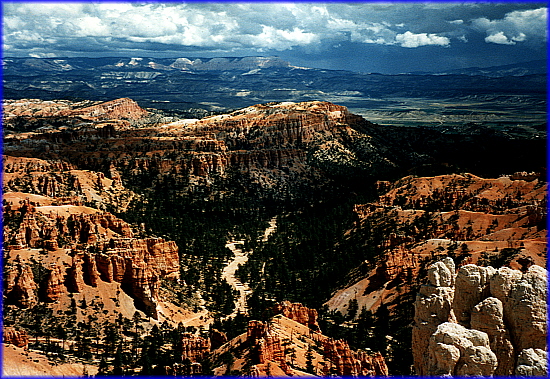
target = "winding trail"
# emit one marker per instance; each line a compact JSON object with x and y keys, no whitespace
{"x":240,"y":258}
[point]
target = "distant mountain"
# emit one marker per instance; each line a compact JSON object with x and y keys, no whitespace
{"x":223,"y":84}
{"x":538,"y":67}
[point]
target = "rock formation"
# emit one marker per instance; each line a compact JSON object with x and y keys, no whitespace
{"x":472,"y":285}
{"x":21,"y":288}
{"x":266,"y":346}
{"x":192,"y":347}
{"x":103,"y":248}
{"x":217,"y":338}
{"x":124,"y":108}
{"x":15,"y":337}
{"x":433,"y":307}
{"x":500,"y":325}
{"x":487,"y":316}
{"x":342,"y":361}
{"x":532,"y":362}
{"x":298,"y":313}
{"x":457,"y":351}
{"x":523,"y":297}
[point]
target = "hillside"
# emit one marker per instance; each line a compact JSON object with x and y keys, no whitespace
{"x":278,"y":239}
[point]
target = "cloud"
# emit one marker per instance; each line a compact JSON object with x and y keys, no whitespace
{"x":499,"y":38}
{"x":516,"y":26}
{"x":225,"y":27}
{"x":295,"y":30}
{"x":409,"y":39}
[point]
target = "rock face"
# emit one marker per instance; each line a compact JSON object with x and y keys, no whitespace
{"x":457,"y":351}
{"x":500,"y":324}
{"x":265,"y":345}
{"x":21,"y":288}
{"x":298,"y":313}
{"x":487,"y":316}
{"x":277,"y":144}
{"x":472,"y":285}
{"x":192,"y":347}
{"x":124,"y":108}
{"x":532,"y":362}
{"x":103,"y":248}
{"x":15,"y":337}
{"x":217,"y":338}
{"x":345,"y":362}
{"x":524,"y":304}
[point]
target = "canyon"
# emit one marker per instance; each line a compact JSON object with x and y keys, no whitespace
{"x":279,"y":239}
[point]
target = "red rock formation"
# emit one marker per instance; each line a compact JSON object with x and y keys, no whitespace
{"x":298,"y":313}
{"x":265,"y":346}
{"x":55,"y":283}
{"x":342,"y":361}
{"x":194,"y":348}
{"x":16,"y":337}
{"x":21,"y":288}
{"x":124,"y":108}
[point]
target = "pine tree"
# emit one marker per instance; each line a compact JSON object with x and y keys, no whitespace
{"x":309,"y":360}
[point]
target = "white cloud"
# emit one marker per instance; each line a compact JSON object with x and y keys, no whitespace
{"x":499,"y":38}
{"x":272,"y":38}
{"x":409,"y":39}
{"x":254,"y":26}
{"x":516,"y":26}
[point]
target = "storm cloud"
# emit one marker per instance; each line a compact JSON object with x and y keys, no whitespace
{"x":300,"y":32}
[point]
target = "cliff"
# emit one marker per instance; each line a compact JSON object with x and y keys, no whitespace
{"x":285,"y":346}
{"x":277,"y":145}
{"x":298,"y":313}
{"x":79,"y":245}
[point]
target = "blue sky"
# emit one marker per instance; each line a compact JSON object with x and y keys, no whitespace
{"x":358,"y":36}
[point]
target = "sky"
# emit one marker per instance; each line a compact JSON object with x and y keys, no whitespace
{"x":384,"y":37}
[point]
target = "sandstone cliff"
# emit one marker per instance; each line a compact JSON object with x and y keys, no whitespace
{"x":278,"y":145}
{"x":298,"y":313}
{"x":288,"y":346}
{"x":492,"y":321}
{"x":93,"y":246}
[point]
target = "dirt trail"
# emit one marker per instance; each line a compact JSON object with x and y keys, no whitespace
{"x":240,"y":258}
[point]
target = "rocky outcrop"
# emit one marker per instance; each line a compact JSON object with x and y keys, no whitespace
{"x":532,"y":362}
{"x":433,"y":306}
{"x":54,"y":283}
{"x":21,"y":288}
{"x":16,"y":337}
{"x":467,"y":192}
{"x":342,"y":361}
{"x":192,"y":347}
{"x":472,"y":285}
{"x":103,"y":249}
{"x":523,"y":296}
{"x":123,"y":108}
{"x":265,"y":345}
{"x":488,"y":317}
{"x":457,"y":351}
{"x":217,"y":338}
{"x":500,"y":316}
{"x":298,"y":313}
